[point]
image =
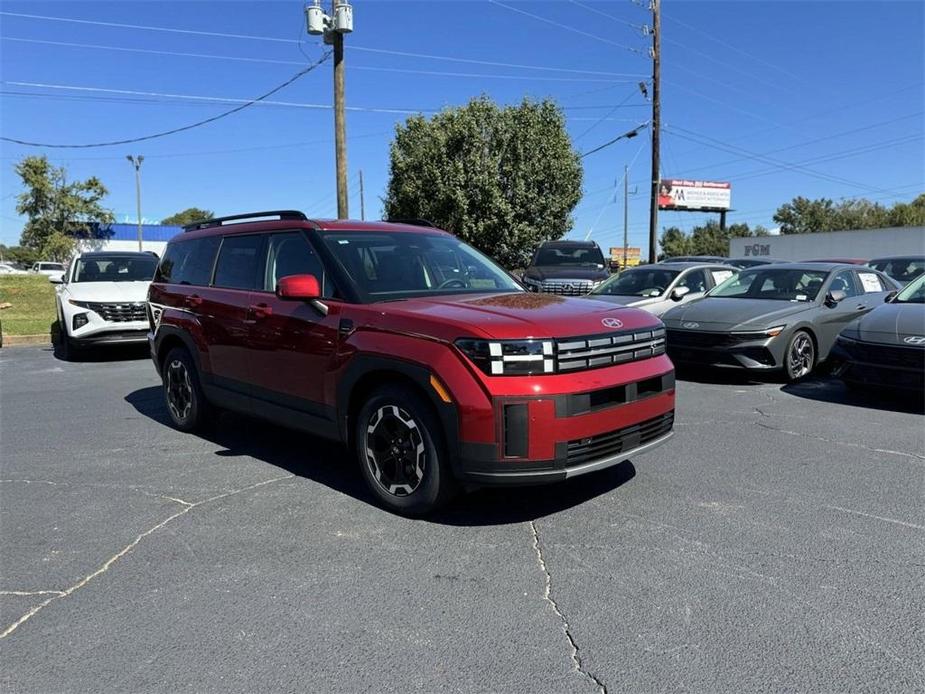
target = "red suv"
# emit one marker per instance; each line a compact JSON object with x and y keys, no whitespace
{"x":421,"y":354}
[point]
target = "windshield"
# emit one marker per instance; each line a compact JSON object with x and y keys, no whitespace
{"x":402,"y":265}
{"x":775,"y":284}
{"x":570,"y":257}
{"x":913,"y":293}
{"x":115,"y":269}
{"x":900,"y":269}
{"x":650,"y":281}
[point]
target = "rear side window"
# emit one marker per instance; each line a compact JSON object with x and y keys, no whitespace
{"x":871,"y":283}
{"x":188,"y":262}
{"x":239,"y":263}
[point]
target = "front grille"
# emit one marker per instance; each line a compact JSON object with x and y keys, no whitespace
{"x":619,"y":441}
{"x":698,"y":340}
{"x":594,"y":351}
{"x":567,"y":287}
{"x":120,"y":313}
{"x":886,"y":355}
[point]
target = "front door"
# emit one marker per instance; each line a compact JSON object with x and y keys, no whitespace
{"x":834,"y":319}
{"x":292,"y":343}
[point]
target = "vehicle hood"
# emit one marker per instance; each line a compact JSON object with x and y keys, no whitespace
{"x":719,"y":313}
{"x":108,"y":291}
{"x":508,"y":316}
{"x":557,"y":272}
{"x":891,"y":324}
{"x":635,"y":301}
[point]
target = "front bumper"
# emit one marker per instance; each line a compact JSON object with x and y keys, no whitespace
{"x":726,"y":350}
{"x":879,"y":366}
{"x":553,"y":438}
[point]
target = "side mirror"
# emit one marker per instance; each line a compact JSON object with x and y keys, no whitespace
{"x":56,"y":279}
{"x":889,"y":297}
{"x":834,"y":297}
{"x":298,"y":288}
{"x":679,"y":293}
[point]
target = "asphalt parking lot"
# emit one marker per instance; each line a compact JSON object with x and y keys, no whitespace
{"x":776,"y":543}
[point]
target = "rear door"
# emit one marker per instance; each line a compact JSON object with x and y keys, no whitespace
{"x":292,"y":343}
{"x":227,"y":309}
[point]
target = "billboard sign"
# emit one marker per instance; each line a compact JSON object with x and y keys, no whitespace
{"x":681,"y":194}
{"x":633,"y":256}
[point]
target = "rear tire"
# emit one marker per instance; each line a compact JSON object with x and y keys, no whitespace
{"x":186,"y":404}
{"x":800,"y":357}
{"x":401,"y":450}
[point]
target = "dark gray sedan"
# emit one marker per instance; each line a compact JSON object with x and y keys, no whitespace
{"x":886,"y":347}
{"x":782,"y":317}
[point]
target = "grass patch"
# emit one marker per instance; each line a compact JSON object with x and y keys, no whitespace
{"x":33,"y":309}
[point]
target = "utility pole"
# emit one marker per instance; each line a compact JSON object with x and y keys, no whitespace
{"x":340,"y":127}
{"x":333,"y":28}
{"x":626,"y":215}
{"x":362,"y":199}
{"x":136,"y":162}
{"x":655,"y":52}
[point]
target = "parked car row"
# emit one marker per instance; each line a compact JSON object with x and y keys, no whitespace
{"x":439,"y":369}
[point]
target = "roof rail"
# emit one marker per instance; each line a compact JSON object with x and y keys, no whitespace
{"x":413,"y":222}
{"x":221,"y":221}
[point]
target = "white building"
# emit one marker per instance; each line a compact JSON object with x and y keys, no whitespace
{"x":865,"y":244}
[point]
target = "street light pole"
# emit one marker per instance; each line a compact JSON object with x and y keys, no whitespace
{"x":136,"y":162}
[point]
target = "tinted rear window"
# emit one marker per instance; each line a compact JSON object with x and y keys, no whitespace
{"x":188,"y":262}
{"x":238,"y":263}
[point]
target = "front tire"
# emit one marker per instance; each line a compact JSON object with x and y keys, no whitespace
{"x":800,"y":357}
{"x":399,"y":445}
{"x":186,"y":404}
{"x":64,"y":345}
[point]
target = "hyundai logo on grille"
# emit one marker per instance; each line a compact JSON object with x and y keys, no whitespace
{"x":915,"y":340}
{"x":690,"y":325}
{"x":612,"y":323}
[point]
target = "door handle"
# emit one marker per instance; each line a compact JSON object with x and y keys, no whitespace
{"x":193,"y":301}
{"x":261,"y":310}
{"x":861,"y":307}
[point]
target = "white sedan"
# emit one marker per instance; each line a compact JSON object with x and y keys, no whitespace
{"x":7,"y":269}
{"x":102,"y":300}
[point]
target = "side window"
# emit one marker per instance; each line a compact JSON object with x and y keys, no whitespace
{"x":188,"y":262}
{"x":291,"y":254}
{"x":695,"y":280}
{"x":238,"y":262}
{"x":844,"y":281}
{"x":870,"y":282}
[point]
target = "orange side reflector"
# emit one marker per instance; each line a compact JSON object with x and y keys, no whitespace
{"x":440,"y":389}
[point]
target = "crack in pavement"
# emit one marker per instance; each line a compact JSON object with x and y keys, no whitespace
{"x":58,"y":595}
{"x":577,"y":663}
{"x":916,"y":457}
{"x":91,"y":485}
{"x":26,"y":593}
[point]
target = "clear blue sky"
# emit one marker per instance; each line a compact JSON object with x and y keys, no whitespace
{"x":836,"y":84}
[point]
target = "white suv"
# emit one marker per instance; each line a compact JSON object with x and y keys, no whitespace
{"x":102,"y":300}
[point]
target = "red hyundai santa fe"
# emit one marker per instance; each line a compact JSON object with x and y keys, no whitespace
{"x":421,"y":354}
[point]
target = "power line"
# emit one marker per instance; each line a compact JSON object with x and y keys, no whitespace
{"x":566,"y":27}
{"x":173,"y":131}
{"x":735,"y":48}
{"x":272,"y":61}
{"x":385,"y":51}
{"x":806,"y":143}
{"x":717,"y":144}
{"x":166,"y":96}
{"x":605,"y":14}
{"x":608,"y":114}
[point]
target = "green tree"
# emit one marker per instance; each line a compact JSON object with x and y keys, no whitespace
{"x":188,"y":216}
{"x":804,"y":216}
{"x":709,"y":239}
{"x":502,"y":178}
{"x":18,"y":254}
{"x":673,"y":242}
{"x":57,"y":211}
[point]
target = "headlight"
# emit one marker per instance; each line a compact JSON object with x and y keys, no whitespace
{"x":79,"y":321}
{"x":82,"y":304}
{"x":509,"y":357}
{"x":761,"y":334}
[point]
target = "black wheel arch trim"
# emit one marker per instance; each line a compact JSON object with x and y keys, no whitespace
{"x":165,"y":331}
{"x":365,"y":364}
